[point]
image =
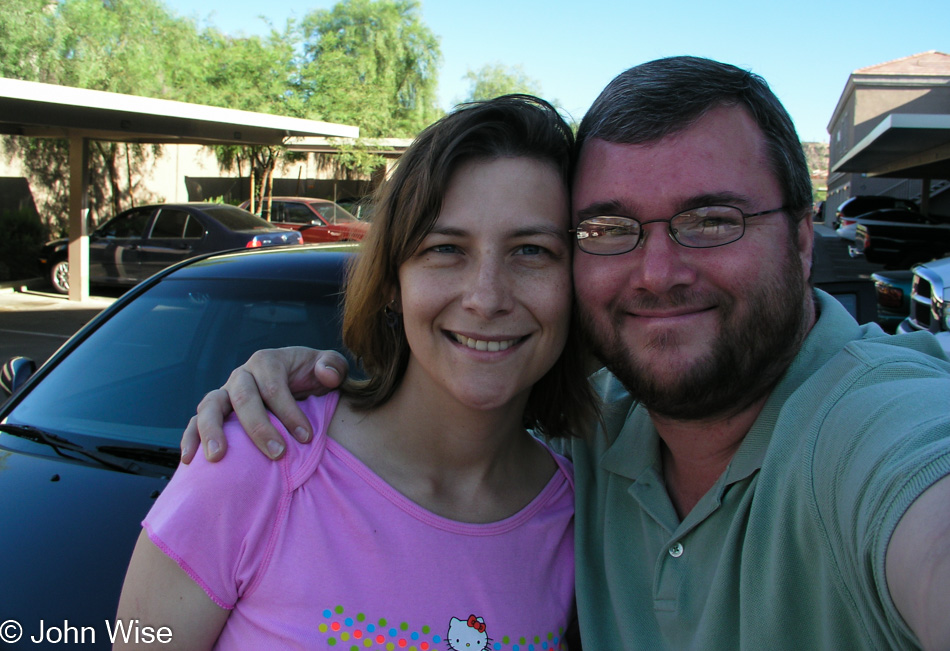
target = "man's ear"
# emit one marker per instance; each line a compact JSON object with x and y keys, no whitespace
{"x":806,"y":244}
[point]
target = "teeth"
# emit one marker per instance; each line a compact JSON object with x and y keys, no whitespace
{"x":481,"y":344}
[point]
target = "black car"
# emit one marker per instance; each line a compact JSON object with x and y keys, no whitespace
{"x":136,"y":243}
{"x":851,"y":208}
{"x":898,"y":238}
{"x":90,"y":440}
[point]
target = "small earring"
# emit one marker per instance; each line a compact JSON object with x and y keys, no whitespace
{"x":391,"y":316}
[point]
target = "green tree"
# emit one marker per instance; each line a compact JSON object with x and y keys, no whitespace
{"x":372,"y":63}
{"x":28,"y":39}
{"x":126,"y":46}
{"x":494,"y":80}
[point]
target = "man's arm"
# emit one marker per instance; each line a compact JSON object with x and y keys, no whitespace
{"x":917,"y":566}
{"x":270,"y":379}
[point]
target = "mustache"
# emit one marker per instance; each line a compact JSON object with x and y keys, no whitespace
{"x":676,"y":297}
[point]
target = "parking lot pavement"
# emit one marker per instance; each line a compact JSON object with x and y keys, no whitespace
{"x":35,"y":323}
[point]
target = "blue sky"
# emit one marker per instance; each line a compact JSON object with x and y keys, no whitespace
{"x":805,"y":49}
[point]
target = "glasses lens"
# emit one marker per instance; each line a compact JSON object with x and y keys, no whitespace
{"x":608,"y":235}
{"x":708,"y":226}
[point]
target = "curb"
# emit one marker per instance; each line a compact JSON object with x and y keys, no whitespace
{"x":8,"y":286}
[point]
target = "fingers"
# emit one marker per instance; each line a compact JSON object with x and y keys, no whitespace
{"x":248,"y":395}
{"x":205,"y":429}
{"x":330,"y":369}
{"x":190,"y":441}
{"x":270,"y":379}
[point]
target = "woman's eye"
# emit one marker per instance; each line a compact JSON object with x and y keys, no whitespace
{"x":444,"y":248}
{"x":530,"y":249}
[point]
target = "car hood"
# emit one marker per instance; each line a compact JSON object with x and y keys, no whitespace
{"x":52,"y":245}
{"x":68,"y":533}
{"x":941,"y":266}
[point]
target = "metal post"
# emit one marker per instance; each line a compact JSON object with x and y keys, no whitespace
{"x":78,"y":209}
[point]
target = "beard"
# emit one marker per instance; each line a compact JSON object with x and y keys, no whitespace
{"x":756,"y":342}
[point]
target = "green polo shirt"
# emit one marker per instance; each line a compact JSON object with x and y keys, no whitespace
{"x":786,"y":550}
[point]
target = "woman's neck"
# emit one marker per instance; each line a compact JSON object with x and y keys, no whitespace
{"x":464,"y":464}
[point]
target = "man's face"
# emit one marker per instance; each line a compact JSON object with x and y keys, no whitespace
{"x":693,"y":333}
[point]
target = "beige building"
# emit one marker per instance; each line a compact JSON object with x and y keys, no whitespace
{"x":890,"y":133}
{"x":191,"y":173}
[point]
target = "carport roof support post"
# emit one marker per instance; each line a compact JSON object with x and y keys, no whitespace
{"x":78,"y":209}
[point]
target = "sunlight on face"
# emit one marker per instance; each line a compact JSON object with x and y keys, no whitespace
{"x":486,"y":298}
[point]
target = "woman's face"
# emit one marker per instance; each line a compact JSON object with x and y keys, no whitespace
{"x":486,"y":298}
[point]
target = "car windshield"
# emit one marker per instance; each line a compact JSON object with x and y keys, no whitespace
{"x":138,"y":378}
{"x":332,"y":213}
{"x":236,"y":219}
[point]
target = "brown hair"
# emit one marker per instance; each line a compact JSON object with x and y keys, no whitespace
{"x":408,"y":205}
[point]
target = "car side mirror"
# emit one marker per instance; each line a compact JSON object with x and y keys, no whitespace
{"x":15,"y":372}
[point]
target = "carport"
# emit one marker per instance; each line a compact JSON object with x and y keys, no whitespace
{"x":80,"y":115}
{"x":911,"y":146}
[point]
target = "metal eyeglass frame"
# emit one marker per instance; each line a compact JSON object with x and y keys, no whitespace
{"x":670,"y":229}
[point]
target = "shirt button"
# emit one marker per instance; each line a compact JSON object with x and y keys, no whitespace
{"x":676,"y":550}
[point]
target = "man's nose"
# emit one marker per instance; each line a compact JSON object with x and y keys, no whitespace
{"x":658,"y":261}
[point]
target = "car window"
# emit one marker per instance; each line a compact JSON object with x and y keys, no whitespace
{"x":296,"y":213}
{"x":333,"y":213}
{"x":174,"y":223}
{"x":194,"y":230}
{"x":139,"y":376}
{"x":234,"y":218}
{"x":130,"y":224}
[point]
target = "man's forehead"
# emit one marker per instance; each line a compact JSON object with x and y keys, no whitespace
{"x":721,"y":154}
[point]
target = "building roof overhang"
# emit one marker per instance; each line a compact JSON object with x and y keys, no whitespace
{"x":903,"y":145}
{"x":387,"y":147}
{"x":44,"y":110}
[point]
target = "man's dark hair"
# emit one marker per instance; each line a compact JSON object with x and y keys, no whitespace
{"x":657,"y":99}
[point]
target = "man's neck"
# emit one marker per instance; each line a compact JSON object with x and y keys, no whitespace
{"x":695,"y":453}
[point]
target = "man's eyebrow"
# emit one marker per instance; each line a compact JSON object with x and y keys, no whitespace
{"x":716,"y":199}
{"x":621,"y":209}
{"x":612,"y":207}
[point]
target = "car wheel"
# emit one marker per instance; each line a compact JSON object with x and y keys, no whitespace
{"x":59,"y":276}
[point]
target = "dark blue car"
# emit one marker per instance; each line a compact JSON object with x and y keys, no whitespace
{"x":141,"y":241}
{"x":90,"y":439}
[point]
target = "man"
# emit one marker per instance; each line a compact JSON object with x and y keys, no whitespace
{"x":770,"y":473}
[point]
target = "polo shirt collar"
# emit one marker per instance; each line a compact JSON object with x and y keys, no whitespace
{"x":636,"y":447}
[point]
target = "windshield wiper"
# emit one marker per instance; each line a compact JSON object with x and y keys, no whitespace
{"x":61,"y":445}
{"x":167,"y":457}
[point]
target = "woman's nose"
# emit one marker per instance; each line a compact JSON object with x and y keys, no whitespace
{"x":489,"y":289}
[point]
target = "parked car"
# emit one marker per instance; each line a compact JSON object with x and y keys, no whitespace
{"x":362,"y":209}
{"x":846,"y":214}
{"x":899,"y":238}
{"x":318,"y":220}
{"x":892,"y":289}
{"x":137,"y":243}
{"x":930,"y":301}
{"x":91,"y":438}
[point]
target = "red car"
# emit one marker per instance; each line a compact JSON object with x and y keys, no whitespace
{"x":318,"y":220}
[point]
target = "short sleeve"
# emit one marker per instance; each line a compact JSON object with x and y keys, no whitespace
{"x":899,"y":445}
{"x":217,"y":521}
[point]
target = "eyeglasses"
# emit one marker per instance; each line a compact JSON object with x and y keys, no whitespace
{"x":696,"y":228}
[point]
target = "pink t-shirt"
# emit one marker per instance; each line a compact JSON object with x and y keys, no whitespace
{"x":315,"y":551}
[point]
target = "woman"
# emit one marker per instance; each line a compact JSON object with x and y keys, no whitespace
{"x":423,"y":515}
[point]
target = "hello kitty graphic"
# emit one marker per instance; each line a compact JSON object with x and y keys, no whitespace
{"x":467,"y":634}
